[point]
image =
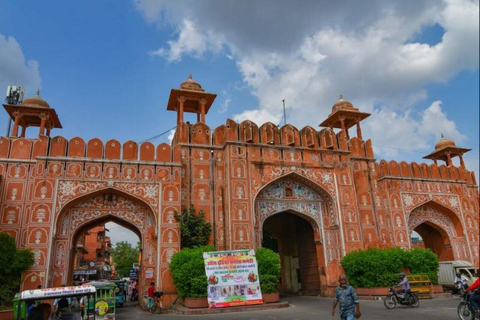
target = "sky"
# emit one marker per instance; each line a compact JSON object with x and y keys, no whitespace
{"x":107,"y":67}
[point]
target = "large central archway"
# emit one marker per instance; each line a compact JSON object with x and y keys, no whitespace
{"x":97,"y":209}
{"x":298,"y":217}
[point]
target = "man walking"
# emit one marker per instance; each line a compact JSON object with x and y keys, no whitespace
{"x":347,"y":298}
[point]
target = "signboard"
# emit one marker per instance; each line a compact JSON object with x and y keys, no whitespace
{"x":84,"y":272}
{"x":149,"y":273}
{"x":133,"y":274}
{"x":51,"y":293}
{"x":232,"y":278}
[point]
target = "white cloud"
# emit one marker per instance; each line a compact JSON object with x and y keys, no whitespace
{"x":171,"y":135}
{"x":190,"y":42}
{"x":15,"y":69}
{"x":394,"y":132}
{"x":309,"y":52}
{"x":226,"y":102}
{"x":257,"y":116}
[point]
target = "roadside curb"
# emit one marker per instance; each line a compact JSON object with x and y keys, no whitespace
{"x":179,"y":309}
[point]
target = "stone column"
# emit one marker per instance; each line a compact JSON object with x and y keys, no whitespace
{"x":15,"y":125}
{"x":344,"y":129}
{"x":449,"y":159}
{"x":359,"y":131}
{"x":24,"y":128}
{"x":461,"y":161}
{"x":181,"y":101}
{"x":43,"y":118}
{"x":202,"y":102}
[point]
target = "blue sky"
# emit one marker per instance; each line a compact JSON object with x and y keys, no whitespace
{"x":107,"y":67}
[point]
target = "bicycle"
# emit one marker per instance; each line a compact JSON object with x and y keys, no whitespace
{"x":157,"y":302}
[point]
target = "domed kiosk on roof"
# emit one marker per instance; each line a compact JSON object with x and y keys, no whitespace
{"x":36,"y":101}
{"x":190,"y":97}
{"x":191,"y":85}
{"x":342,"y":104}
{"x":443,"y":143}
{"x":32,"y":112}
{"x":445,"y":150}
{"x":344,"y":116}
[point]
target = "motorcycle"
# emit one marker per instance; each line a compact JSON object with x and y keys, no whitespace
{"x":393,"y":298}
{"x":465,"y":309}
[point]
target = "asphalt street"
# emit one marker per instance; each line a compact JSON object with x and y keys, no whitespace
{"x":310,"y":308}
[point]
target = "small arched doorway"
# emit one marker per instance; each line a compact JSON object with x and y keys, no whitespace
{"x":440,"y":230}
{"x":96,"y":209}
{"x":292,"y":237}
{"x":92,"y":246}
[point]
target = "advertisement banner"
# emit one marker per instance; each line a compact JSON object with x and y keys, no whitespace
{"x":232,"y":278}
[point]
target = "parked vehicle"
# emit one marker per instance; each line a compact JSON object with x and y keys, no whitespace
{"x":120,"y":292}
{"x":448,"y":269}
{"x":465,"y":309}
{"x":87,"y":292}
{"x":104,"y":307}
{"x":393,"y":298}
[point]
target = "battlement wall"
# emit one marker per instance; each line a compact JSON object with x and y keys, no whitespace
{"x":424,"y":171}
{"x":22,"y":148}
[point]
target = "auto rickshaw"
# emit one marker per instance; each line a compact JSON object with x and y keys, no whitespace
{"x":120,"y":292}
{"x":87,"y":292}
{"x":104,"y":306}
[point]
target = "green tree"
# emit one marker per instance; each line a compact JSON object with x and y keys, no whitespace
{"x":195,"y":230}
{"x":124,"y":256}
{"x":12,"y":263}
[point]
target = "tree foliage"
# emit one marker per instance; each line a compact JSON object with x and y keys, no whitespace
{"x":380,"y":267}
{"x":124,"y":256}
{"x":188,"y":272}
{"x":12,"y":263}
{"x":195,"y":230}
{"x":268,"y":269}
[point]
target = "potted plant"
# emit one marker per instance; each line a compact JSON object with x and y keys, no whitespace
{"x":269,"y":274}
{"x":188,"y":272}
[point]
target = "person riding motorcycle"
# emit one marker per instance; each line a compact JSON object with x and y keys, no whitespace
{"x":460,"y":279}
{"x":405,"y":284}
{"x":475,"y":289}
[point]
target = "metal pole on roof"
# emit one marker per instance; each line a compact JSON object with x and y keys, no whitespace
{"x":284,"y":112}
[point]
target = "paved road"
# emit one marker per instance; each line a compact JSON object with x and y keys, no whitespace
{"x":315,"y":308}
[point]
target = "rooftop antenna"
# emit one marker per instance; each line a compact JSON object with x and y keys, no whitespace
{"x":284,"y":112}
{"x":14,"y":96}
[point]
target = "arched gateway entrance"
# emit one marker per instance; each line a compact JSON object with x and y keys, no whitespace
{"x":296,"y":218}
{"x":441,"y":231}
{"x":95,"y":209}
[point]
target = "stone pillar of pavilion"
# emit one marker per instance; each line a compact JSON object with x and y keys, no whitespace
{"x":190,"y":97}
{"x":445,"y":150}
{"x":32,"y":112}
{"x":345,"y":116}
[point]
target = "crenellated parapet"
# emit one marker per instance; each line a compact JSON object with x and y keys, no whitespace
{"x":423,"y":171}
{"x":269,"y":134}
{"x":78,"y":149}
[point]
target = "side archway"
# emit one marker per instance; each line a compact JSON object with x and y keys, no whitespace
{"x":96,"y":209}
{"x":441,"y":231}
